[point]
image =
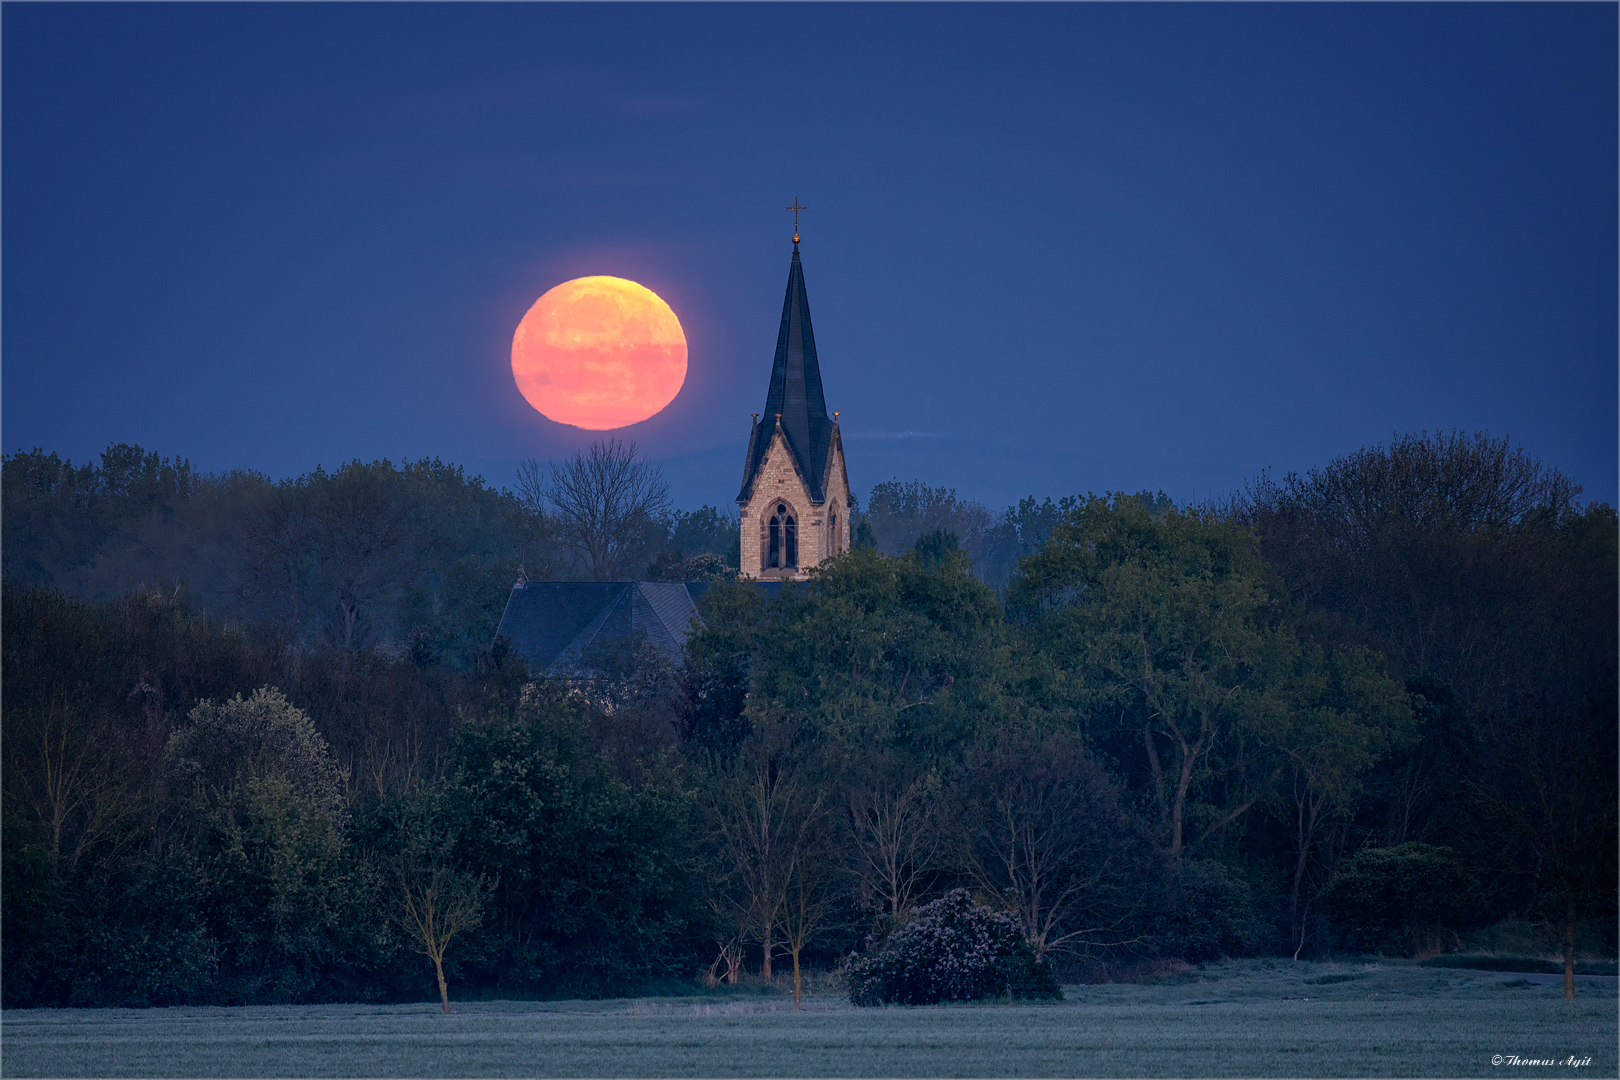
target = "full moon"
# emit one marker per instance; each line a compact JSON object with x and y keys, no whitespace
{"x":599,"y":353}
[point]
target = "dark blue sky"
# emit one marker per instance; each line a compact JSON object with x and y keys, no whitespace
{"x":1049,"y":249}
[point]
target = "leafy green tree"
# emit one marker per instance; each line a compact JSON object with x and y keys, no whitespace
{"x":935,"y":547}
{"x":1343,"y":716}
{"x":718,"y":665}
{"x":884,"y":650}
{"x":260,"y":826}
{"x":1413,"y":791}
{"x":1549,"y":786}
{"x":596,"y":867}
{"x":115,"y":889}
{"x":1162,"y":615}
{"x":1212,"y":914}
{"x":872,"y":649}
{"x":1426,"y":550}
{"x":1475,"y":570}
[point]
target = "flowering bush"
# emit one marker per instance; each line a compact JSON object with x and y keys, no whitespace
{"x":951,"y":950}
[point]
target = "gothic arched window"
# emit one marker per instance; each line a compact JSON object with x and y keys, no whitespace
{"x":832,"y":532}
{"x":782,"y":541}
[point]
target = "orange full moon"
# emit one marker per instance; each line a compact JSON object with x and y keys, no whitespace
{"x":599,"y":353}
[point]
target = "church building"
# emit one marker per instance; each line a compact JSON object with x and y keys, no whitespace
{"x":794,"y":504}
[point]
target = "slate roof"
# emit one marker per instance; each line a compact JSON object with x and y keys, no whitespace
{"x":795,"y":394}
{"x":552,"y":623}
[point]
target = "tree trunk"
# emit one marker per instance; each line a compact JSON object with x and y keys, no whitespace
{"x":1293,"y":901}
{"x":1183,"y":783}
{"x":765,"y":964}
{"x":797,"y":983}
{"x":1569,"y":942}
{"x":444,"y":992}
{"x":1158,"y":774}
{"x":1305,"y":827}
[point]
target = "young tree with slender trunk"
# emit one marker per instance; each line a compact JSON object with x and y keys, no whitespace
{"x":1552,"y":783}
{"x":764,"y":810}
{"x":435,"y":904}
{"x":812,"y":885}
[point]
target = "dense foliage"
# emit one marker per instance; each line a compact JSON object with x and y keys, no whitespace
{"x":261,"y":746}
{"x":1391,"y":899}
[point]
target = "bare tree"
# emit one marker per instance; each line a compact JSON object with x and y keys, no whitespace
{"x":604,"y":500}
{"x":1042,"y":829}
{"x":893,"y":821}
{"x":364,"y":527}
{"x":767,"y":818}
{"x":274,"y":549}
{"x":72,"y":773}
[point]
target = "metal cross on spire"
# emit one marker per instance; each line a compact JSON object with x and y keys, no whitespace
{"x":796,"y":208}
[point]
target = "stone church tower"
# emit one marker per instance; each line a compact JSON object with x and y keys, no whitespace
{"x":795,"y":499}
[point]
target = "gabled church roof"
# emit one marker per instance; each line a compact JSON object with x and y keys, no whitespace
{"x":554,"y":624}
{"x":794,"y":395}
{"x":551,"y":624}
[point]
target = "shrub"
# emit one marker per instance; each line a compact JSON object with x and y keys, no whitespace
{"x":1212,"y":916}
{"x":1388,"y":899}
{"x":951,"y":950}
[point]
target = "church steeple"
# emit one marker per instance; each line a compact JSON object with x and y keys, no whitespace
{"x":794,"y":401}
{"x":793,"y":511}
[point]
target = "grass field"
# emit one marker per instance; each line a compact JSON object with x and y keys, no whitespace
{"x":1244,"y":1018}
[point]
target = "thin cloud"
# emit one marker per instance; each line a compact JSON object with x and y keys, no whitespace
{"x":895,"y":436}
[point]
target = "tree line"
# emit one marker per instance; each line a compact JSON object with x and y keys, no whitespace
{"x":1369,"y":708}
{"x":414,"y":558}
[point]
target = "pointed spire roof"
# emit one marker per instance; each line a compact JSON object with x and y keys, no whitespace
{"x":794,"y":400}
